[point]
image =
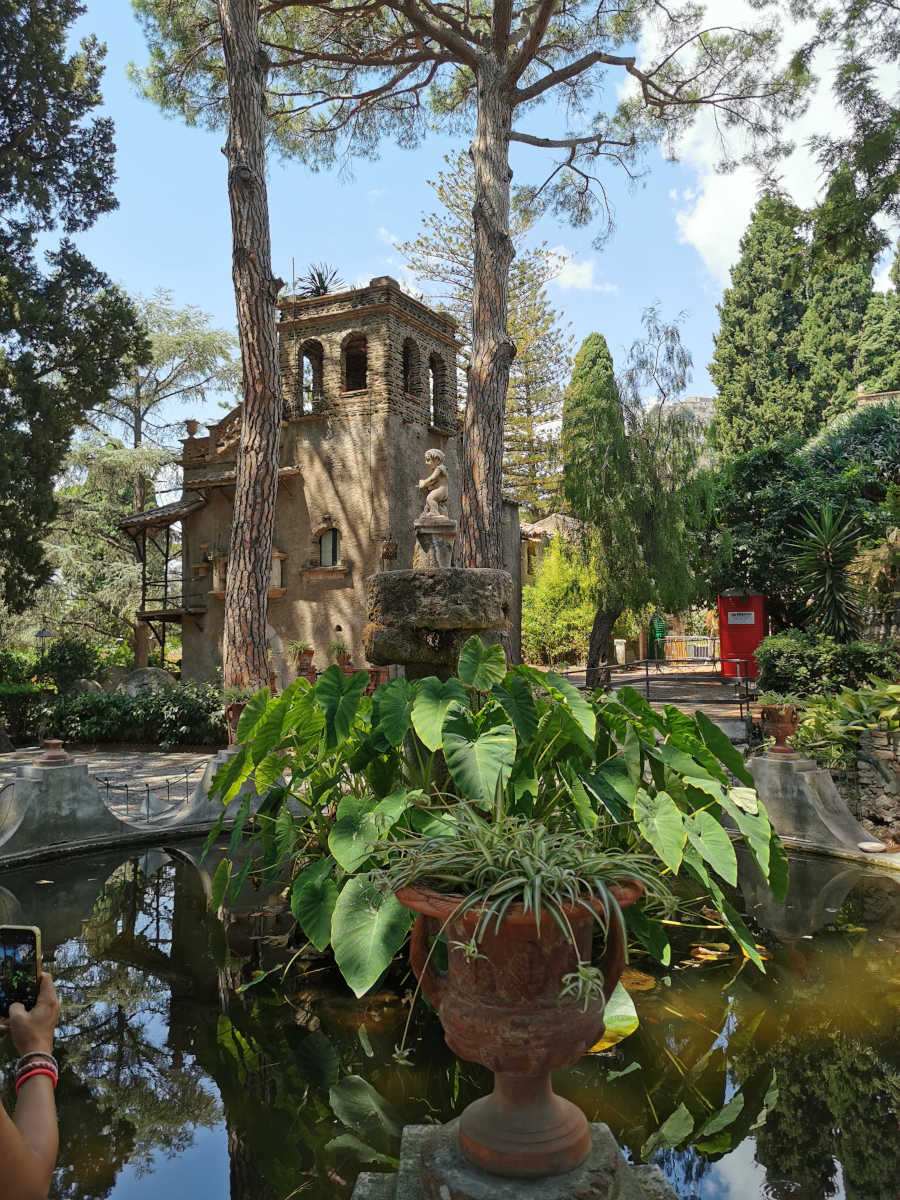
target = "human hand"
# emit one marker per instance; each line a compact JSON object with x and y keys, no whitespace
{"x":32,"y":1029}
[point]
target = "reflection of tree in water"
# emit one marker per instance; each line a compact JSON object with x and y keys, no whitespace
{"x":135,"y":1095}
{"x":838,"y":1101}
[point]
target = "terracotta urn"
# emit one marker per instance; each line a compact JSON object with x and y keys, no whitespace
{"x":780,"y":721}
{"x":304,"y":659}
{"x":232,"y":716}
{"x":502,"y":1008}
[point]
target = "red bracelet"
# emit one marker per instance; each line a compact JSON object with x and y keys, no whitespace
{"x":37,"y":1071}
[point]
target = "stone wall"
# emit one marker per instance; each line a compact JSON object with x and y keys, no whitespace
{"x":873,"y":794}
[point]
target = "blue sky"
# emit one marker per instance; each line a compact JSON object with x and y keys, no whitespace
{"x":676,"y":233}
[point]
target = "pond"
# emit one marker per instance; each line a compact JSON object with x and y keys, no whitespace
{"x":739,"y":1085}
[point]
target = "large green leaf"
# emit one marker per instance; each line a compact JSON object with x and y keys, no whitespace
{"x":285,"y":833}
{"x":318,"y":1060}
{"x":680,"y":761}
{"x":620,"y":1020}
{"x":481,"y":666}
{"x":673,"y":1130}
{"x":584,"y":810}
{"x":368,"y":928}
{"x":718,"y":741}
{"x":228,"y":778}
{"x":387,"y":812}
{"x":430,"y":707}
{"x":724,"y":1117}
{"x":478,"y":761}
{"x":252,"y":713}
{"x":648,"y":718}
{"x":220,"y":882}
{"x":733,"y":921}
{"x":713,"y":844}
{"x":338,"y":696}
{"x":395,"y":702}
{"x":357,"y":1105}
{"x":631,"y":753}
{"x":650,"y":933}
{"x":312,"y":906}
{"x":756,"y":830}
{"x":581,"y":709}
{"x":779,"y":870}
{"x":660,"y":822}
{"x":514,"y":695}
{"x":267,"y":732}
{"x":354,"y":832}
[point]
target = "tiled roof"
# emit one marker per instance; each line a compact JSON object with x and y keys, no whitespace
{"x":158,"y":518}
{"x":227,"y":475}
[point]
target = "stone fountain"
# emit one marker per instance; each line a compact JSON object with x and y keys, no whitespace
{"x":421,"y":618}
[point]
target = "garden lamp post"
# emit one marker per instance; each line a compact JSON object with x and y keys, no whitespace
{"x":42,"y":635}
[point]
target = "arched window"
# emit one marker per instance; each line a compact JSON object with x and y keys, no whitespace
{"x":437,"y":388}
{"x":311,"y":382}
{"x":330,"y":548}
{"x":410,"y":368}
{"x":356,"y":363}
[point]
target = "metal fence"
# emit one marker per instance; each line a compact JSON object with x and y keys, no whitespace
{"x":688,"y":647}
{"x":146,"y":801}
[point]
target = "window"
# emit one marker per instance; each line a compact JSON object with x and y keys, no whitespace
{"x":311,"y":376}
{"x":437,"y":382}
{"x":356,"y":363}
{"x":410,"y":368}
{"x":330,"y":548}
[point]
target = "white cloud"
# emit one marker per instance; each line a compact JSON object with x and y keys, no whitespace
{"x":385,"y":235}
{"x":712,"y":215}
{"x":374,"y":194}
{"x":578,"y":276}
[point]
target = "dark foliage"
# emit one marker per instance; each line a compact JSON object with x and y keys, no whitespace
{"x":801,"y":664}
{"x":190,"y":714}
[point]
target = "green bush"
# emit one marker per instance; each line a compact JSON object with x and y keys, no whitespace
{"x":68,"y":659}
{"x":189,"y":714}
{"x":556,"y":615}
{"x":20,"y":708}
{"x":17,"y":666}
{"x":807,"y":664}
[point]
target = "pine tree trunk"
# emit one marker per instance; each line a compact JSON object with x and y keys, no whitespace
{"x":255,"y":290}
{"x":598,"y":647}
{"x":481,"y":529}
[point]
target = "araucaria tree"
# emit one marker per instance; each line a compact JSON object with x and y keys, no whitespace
{"x":628,"y":471}
{"x":341,"y":74}
{"x":442,"y":258}
{"x":64,"y":334}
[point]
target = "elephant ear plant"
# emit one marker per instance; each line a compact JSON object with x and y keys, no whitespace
{"x":344,"y":784}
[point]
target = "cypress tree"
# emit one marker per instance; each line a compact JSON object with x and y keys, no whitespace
{"x":756,"y":365}
{"x":878,"y":369}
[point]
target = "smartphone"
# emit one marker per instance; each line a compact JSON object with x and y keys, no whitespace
{"x":20,"y":966}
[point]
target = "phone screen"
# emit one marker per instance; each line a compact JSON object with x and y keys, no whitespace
{"x":19,"y":966}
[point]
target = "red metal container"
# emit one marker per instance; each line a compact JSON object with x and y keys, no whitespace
{"x":742,"y":626}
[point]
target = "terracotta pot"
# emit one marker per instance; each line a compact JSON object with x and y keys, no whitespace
{"x":304,"y":659}
{"x":780,"y":721}
{"x":232,"y":716}
{"x":502,"y":1009}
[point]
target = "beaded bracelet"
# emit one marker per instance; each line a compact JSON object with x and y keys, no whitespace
{"x":44,"y":1055}
{"x":37,"y":1071}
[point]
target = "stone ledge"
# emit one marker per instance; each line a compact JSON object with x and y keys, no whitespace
{"x":432,"y":1167}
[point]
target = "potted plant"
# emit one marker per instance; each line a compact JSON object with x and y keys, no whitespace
{"x":780,"y":717}
{"x":558,"y":797}
{"x":340,"y":652}
{"x":235,"y":701}
{"x":302,"y":654}
{"x":525,"y":990}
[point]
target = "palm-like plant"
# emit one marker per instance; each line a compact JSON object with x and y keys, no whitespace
{"x":822,"y":557}
{"x":319,"y":280}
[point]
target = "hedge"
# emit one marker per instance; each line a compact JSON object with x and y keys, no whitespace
{"x":189,"y":714}
{"x":20,"y":708}
{"x":805,"y":664}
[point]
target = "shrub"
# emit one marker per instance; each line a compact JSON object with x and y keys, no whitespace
{"x":189,"y":714}
{"x":556,"y":614}
{"x":20,"y":708}
{"x":68,"y":659}
{"x":17,"y":666}
{"x":813,"y":665}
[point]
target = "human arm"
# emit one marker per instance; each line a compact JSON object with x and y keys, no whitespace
{"x":29,"y":1140}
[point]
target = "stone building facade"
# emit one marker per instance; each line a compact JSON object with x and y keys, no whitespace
{"x":368,"y":385}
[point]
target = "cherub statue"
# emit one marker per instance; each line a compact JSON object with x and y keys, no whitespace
{"x":435,"y":485}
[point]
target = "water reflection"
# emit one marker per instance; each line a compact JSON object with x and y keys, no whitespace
{"x":739,"y":1085}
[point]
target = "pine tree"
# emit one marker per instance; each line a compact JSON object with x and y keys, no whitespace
{"x":64,"y":333}
{"x":756,"y":364}
{"x":442,"y":256}
{"x":627,"y":474}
